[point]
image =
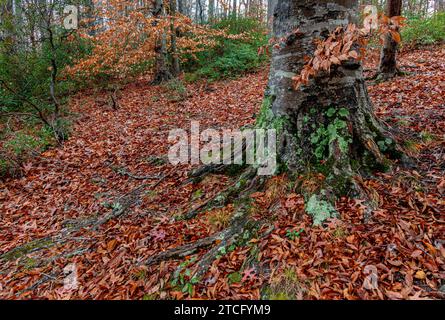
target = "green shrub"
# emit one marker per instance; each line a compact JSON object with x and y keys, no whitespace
{"x":230,"y":58}
{"x":423,"y":31}
{"x":238,"y":58}
{"x":20,"y":146}
{"x":176,"y":90}
{"x":6,"y":167}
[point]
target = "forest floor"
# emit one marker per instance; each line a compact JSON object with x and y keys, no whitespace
{"x":107,"y":200}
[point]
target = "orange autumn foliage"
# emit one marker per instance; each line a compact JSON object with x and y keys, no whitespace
{"x":343,"y":44}
{"x":128,"y":34}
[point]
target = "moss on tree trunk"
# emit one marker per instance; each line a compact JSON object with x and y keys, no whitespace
{"x":327,"y":126}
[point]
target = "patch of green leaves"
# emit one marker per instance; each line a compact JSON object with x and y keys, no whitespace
{"x":293,"y":234}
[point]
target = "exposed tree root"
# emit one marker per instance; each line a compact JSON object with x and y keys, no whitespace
{"x":187,"y":249}
{"x":383,"y":77}
{"x":222,"y":168}
{"x":222,"y":239}
{"x":53,"y":276}
{"x":240,"y":222}
{"x":243,"y":184}
{"x":121,"y":206}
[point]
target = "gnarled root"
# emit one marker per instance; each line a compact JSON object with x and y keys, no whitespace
{"x":221,"y":168}
{"x":244,"y":184}
{"x":239,"y":223}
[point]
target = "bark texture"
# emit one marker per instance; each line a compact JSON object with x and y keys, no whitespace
{"x":162,"y":71}
{"x":175,"y":68}
{"x":327,"y":126}
{"x":388,"y":63}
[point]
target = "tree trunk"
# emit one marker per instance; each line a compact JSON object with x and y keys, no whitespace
{"x":211,"y":9}
{"x":7,"y":31}
{"x":271,"y":4}
{"x":439,"y":5}
{"x":388,"y":63}
{"x":328,"y":125}
{"x":270,"y":10}
{"x":161,"y":70}
{"x":181,"y":7}
{"x":173,"y":47}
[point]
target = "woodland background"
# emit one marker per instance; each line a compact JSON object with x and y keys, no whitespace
{"x":74,"y":106}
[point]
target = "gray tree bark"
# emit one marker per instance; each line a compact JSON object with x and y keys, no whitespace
{"x":388,"y":56}
{"x":181,"y":7}
{"x":211,"y":9}
{"x":271,"y":4}
{"x":174,"y":50}
{"x":439,"y":5}
{"x":161,"y":70}
{"x":327,"y":126}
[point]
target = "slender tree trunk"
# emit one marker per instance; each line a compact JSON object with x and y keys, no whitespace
{"x":327,"y":126}
{"x":211,"y":9}
{"x":7,"y":31}
{"x":234,"y":8}
{"x":439,"y":6}
{"x":388,"y":56}
{"x":174,"y":50}
{"x":196,"y":11}
{"x":161,"y":71}
{"x":181,"y":7}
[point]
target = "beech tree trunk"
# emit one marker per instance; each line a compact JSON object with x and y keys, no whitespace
{"x":439,"y":5}
{"x":181,"y":8}
{"x":388,"y":63}
{"x":161,"y":71}
{"x":270,"y":10}
{"x":211,"y":9}
{"x":175,"y":69}
{"x":327,"y":126}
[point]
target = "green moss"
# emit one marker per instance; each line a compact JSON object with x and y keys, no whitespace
{"x":426,"y":136}
{"x":234,"y":277}
{"x":340,"y":233}
{"x":25,"y":249}
{"x":30,"y":263}
{"x":280,"y":296}
{"x":284,"y":285}
{"x":265,"y":115}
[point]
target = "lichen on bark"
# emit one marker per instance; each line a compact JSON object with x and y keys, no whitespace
{"x":327,"y":126}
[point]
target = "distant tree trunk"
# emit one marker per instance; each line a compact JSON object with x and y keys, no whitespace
{"x":327,"y":126}
{"x":439,"y":6}
{"x":234,"y":8}
{"x":161,"y":70}
{"x":196,"y":10}
{"x":388,"y":63}
{"x":7,"y":31}
{"x":199,"y":12}
{"x":181,"y":7}
{"x":211,"y":9}
{"x":174,"y":51}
